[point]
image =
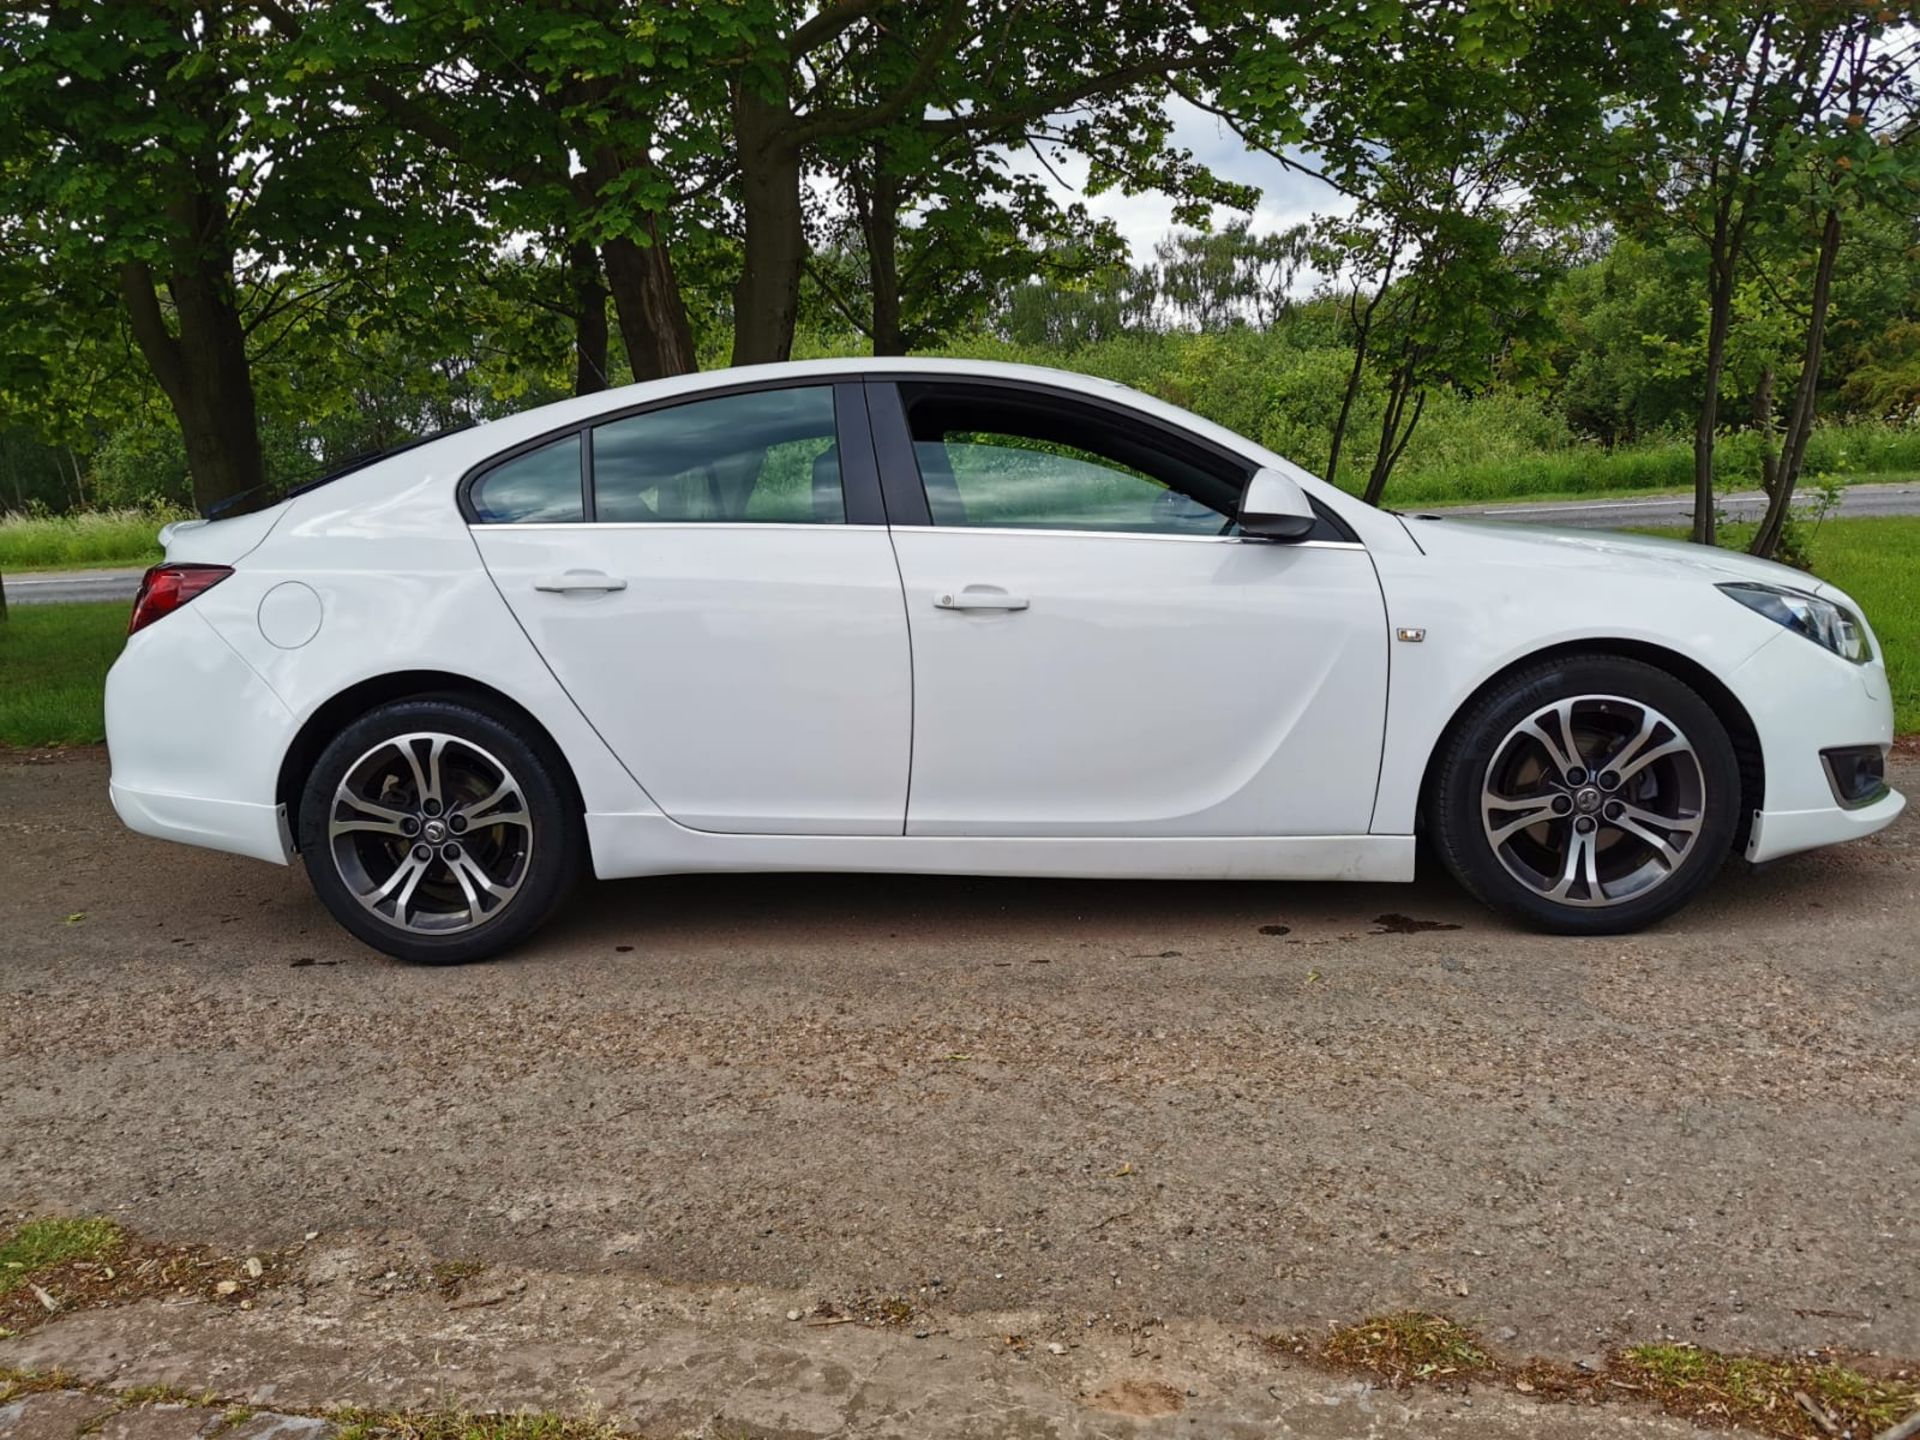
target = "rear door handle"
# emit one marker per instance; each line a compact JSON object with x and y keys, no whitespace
{"x":978,"y":597}
{"x":581,"y":582}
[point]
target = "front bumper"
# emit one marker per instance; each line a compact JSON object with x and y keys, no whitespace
{"x":1803,"y":700}
{"x":1788,"y":832}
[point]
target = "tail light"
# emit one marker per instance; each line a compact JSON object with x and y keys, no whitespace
{"x":165,"y":588}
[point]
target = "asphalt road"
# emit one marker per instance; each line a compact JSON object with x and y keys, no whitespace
{"x":66,"y":587}
{"x":1856,"y":502}
{"x":1256,"y":1106}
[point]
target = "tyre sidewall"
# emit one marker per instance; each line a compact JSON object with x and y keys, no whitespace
{"x":558,"y":841}
{"x":1462,"y":840}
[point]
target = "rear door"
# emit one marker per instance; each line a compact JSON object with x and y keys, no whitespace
{"x":712,"y":581}
{"x":1097,"y":651}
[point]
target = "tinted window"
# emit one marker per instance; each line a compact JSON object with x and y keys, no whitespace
{"x":991,"y":457}
{"x":543,"y":484}
{"x":1014,"y":481}
{"x":769,"y":456}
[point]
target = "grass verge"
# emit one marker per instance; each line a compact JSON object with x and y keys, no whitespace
{"x":93,"y":540}
{"x":39,"y":1245}
{"x":53,"y":671}
{"x":1814,"y":1396}
{"x":54,"y":1265}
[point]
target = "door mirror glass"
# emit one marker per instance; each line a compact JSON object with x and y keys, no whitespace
{"x":1274,"y":507}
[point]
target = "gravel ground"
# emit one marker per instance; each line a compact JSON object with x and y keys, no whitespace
{"x":1250,"y":1106}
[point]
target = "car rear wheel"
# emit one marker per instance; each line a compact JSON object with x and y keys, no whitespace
{"x":439,"y":831}
{"x":1589,"y":796}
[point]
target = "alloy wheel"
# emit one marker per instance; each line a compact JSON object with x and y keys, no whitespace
{"x":430,"y":833}
{"x":1593,"y":800}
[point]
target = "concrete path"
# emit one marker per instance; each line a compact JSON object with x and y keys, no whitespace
{"x":364,"y":1327}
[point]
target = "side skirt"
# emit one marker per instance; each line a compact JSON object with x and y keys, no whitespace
{"x":631,"y":845}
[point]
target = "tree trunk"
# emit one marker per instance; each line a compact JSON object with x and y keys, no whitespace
{"x":883,"y":260}
{"x":647,"y":301}
{"x":1766,"y":539}
{"x":590,"y":319}
{"x":766,"y":300}
{"x":1362,"y":324}
{"x":202,"y":370}
{"x":1393,"y":439}
{"x":1707,"y":423}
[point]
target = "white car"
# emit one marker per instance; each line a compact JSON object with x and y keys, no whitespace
{"x":930,"y":616}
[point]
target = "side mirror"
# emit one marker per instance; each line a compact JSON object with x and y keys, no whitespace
{"x":1274,"y":507}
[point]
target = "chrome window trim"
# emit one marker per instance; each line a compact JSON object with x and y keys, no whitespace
{"x":1040,"y":531}
{"x":804,"y":525}
{"x":478,"y":525}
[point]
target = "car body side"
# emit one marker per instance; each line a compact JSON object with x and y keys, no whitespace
{"x":208,"y":739}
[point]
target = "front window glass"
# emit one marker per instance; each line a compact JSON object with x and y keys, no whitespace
{"x":768,"y":457}
{"x":541,"y":485}
{"x":1012,"y":459}
{"x":1018,"y":482}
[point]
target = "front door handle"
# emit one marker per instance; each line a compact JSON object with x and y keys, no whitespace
{"x":580,"y":582}
{"x":978,"y":597}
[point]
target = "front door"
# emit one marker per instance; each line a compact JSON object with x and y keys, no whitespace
{"x":712,"y":582}
{"x":1097,"y":652}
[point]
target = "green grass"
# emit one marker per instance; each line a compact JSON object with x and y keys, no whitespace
{"x":1877,"y":562}
{"x":53,"y":667}
{"x":39,"y":1244}
{"x":79,"y":542}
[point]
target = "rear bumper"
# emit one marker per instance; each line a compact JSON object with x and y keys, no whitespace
{"x":196,"y":738}
{"x":239,"y":827}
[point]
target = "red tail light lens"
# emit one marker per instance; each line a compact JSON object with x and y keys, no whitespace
{"x":165,"y":588}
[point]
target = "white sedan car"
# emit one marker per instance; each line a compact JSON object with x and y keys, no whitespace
{"x":931,"y":616}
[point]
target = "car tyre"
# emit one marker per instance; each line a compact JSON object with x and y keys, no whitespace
{"x":1586,"y":795}
{"x":440,"y":830}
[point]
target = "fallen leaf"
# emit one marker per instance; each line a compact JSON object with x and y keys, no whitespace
{"x":254,"y":1268}
{"x":44,"y":1298}
{"x":226,"y":1287}
{"x":76,"y":917}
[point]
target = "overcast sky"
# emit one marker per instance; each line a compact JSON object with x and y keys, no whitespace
{"x":1286,"y":197}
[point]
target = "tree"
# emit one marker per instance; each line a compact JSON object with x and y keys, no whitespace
{"x":1759,"y":80}
{"x":1455,"y":132}
{"x":1211,"y":280}
{"x":158,"y":149}
{"x":1859,"y":144}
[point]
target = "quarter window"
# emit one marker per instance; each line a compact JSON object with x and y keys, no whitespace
{"x":541,"y":485}
{"x":769,"y":456}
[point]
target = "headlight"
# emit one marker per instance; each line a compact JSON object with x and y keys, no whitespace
{"x":1831,"y":626}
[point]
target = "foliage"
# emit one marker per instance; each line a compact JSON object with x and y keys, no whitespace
{"x":89,"y":539}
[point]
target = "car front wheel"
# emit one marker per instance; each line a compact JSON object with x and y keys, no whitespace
{"x":439,"y":831}
{"x":1590,"y":795}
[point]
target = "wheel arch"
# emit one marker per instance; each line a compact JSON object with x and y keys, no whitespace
{"x":329,"y":718}
{"x":1725,"y":704}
